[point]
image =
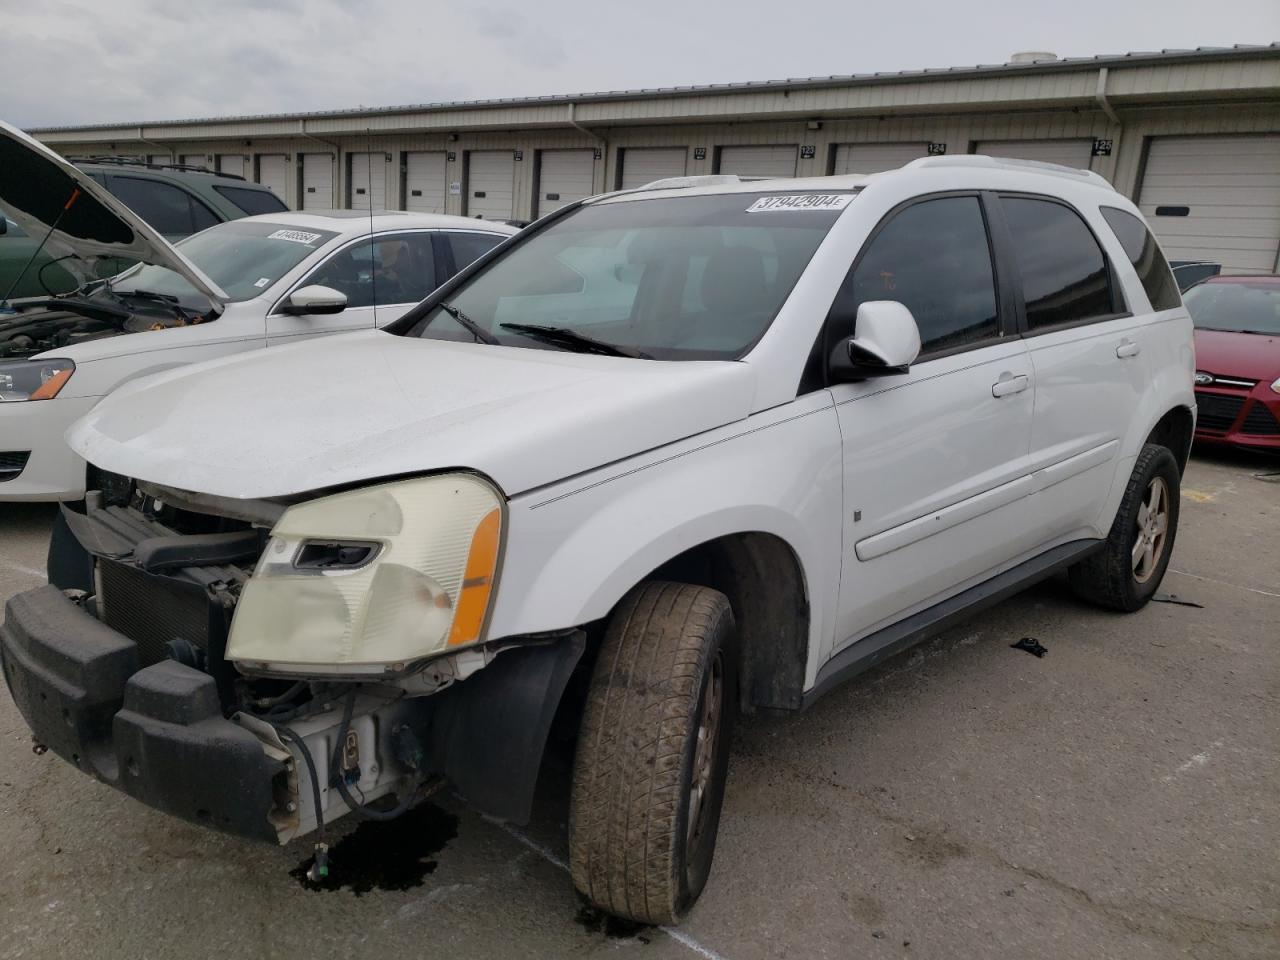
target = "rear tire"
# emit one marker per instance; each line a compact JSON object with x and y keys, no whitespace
{"x":653,"y":753}
{"x":1126,"y":573}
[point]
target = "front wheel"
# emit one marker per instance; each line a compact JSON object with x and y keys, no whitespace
{"x":1126,"y":573}
{"x":653,"y":753}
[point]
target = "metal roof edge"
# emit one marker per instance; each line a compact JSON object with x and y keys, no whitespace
{"x":1066,"y":64}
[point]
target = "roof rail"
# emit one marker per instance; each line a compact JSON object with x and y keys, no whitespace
{"x":150,"y":165}
{"x":707,"y":180}
{"x":1009,"y":163}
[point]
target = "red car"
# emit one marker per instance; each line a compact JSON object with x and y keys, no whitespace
{"x":1237,"y":322}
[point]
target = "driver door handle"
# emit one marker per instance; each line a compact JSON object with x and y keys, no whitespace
{"x":1008,"y":385}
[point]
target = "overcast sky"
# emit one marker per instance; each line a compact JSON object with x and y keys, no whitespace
{"x":86,"y":61}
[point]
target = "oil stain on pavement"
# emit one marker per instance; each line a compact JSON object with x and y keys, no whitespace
{"x":385,"y":855}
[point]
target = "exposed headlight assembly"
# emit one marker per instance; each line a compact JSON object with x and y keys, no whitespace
{"x":33,"y":379}
{"x":1275,"y":385}
{"x":373,"y":581}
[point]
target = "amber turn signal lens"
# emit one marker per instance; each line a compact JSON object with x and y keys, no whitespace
{"x":477,"y":582}
{"x":49,"y":389}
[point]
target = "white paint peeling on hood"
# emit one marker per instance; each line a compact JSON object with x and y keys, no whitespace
{"x":36,"y":185}
{"x":364,"y":406}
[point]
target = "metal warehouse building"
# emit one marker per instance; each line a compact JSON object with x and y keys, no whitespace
{"x":1193,"y":136}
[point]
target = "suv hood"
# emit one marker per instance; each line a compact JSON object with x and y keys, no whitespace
{"x":1226,"y":353}
{"x":37,"y":188}
{"x":367,"y":406}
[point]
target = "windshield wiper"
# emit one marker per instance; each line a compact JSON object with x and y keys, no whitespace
{"x":480,"y":333}
{"x":573,"y":340}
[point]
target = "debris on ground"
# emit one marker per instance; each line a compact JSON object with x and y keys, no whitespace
{"x":1174,"y":598}
{"x":1031,"y":645}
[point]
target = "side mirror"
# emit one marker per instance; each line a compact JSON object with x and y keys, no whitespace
{"x":886,"y":341}
{"x":315,"y":299}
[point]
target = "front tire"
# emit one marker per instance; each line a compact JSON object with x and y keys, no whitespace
{"x":1126,"y":573}
{"x":653,"y":753}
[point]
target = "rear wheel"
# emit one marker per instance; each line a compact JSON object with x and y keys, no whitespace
{"x":1128,"y":571}
{"x":653,"y":753}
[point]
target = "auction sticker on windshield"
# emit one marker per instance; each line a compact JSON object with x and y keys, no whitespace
{"x":802,"y":201}
{"x":295,"y":236}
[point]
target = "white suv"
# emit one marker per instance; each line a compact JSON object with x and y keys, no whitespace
{"x":710,"y":446}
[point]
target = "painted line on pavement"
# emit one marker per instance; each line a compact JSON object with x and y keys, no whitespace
{"x":679,"y":936}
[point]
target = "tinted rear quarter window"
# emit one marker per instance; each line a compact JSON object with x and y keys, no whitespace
{"x":252,"y":202}
{"x":165,"y":207}
{"x":468,"y":247}
{"x":1064,"y":273}
{"x":202,"y":217}
{"x":1143,"y":252}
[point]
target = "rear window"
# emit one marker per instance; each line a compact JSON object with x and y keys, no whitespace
{"x":252,"y":202}
{"x":676,"y":278}
{"x":1144,"y":253}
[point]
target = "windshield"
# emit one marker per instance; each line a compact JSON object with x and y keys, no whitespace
{"x":674,"y":278}
{"x":242,"y":257}
{"x":1239,"y":307}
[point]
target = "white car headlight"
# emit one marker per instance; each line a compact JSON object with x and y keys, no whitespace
{"x":1275,"y":385}
{"x":372,"y":581}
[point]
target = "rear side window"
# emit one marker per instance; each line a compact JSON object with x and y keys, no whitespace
{"x":1064,"y":272}
{"x":468,"y":247}
{"x":933,"y":258}
{"x":252,"y":202}
{"x":168,"y":209}
{"x":201,"y":216}
{"x":1142,"y":251}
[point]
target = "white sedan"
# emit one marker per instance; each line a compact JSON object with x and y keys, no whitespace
{"x":256,"y":282}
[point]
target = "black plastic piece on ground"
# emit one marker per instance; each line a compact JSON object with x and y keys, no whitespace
{"x":1031,"y":645}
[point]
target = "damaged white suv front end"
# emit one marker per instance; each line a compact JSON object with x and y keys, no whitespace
{"x":267,"y":668}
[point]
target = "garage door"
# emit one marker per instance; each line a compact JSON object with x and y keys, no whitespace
{"x":273,"y":173}
{"x":646,"y":164}
{"x":490,"y":175}
{"x":1069,"y":153}
{"x":193,"y":160}
{"x":564,"y":176}
{"x":235,"y":164}
{"x":759,"y":161}
{"x":425,"y":182}
{"x":317,"y":181}
{"x":1215,"y":198}
{"x":368,"y":187}
{"x":875,"y":157}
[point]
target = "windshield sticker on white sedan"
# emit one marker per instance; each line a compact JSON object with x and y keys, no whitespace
{"x":262,"y":282}
{"x":295,"y":236}
{"x":802,"y":201}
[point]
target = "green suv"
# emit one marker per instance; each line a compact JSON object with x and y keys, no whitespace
{"x":175,"y":200}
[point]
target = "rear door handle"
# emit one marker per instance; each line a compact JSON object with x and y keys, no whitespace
{"x":1128,"y":348}
{"x":1008,"y":385}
